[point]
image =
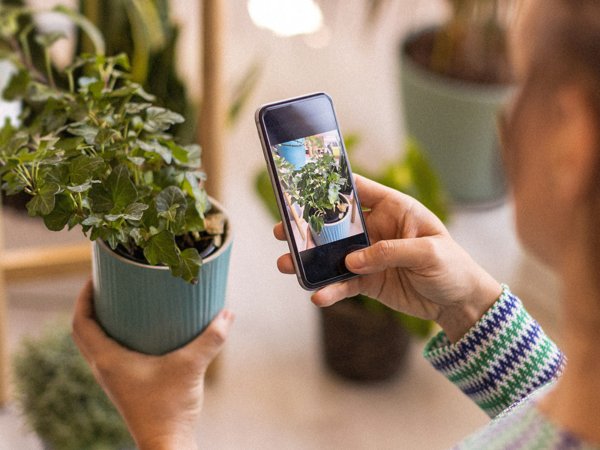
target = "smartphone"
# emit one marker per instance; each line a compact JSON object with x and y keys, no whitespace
{"x":311,"y":176}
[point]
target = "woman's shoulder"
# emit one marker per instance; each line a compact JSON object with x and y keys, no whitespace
{"x":524,"y":426}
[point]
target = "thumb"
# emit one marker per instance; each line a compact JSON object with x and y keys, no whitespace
{"x":207,"y":346}
{"x":403,"y":253}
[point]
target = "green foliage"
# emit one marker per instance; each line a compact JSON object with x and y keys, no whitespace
{"x":316,"y":186}
{"x":60,"y":399}
{"x":98,"y":154}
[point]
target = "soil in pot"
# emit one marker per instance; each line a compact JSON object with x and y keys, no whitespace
{"x":361,"y":344}
{"x":492,"y":70}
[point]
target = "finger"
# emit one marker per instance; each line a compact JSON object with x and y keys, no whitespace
{"x":335,"y":292}
{"x":404,"y":253}
{"x":285,"y":264}
{"x":86,"y":332}
{"x":208,"y":345}
{"x":370,"y":192}
{"x":279,"y":232}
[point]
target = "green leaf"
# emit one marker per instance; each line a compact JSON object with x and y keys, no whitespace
{"x":84,"y":168}
{"x":155,"y":147}
{"x":120,"y":187}
{"x":60,"y":215}
{"x":17,"y":86}
{"x":161,"y":248}
{"x":160,"y":119}
{"x":87,"y":132}
{"x":169,"y":197}
{"x":100,"y":198}
{"x":135,"y":211}
{"x":43,"y":200}
{"x":189,"y":265}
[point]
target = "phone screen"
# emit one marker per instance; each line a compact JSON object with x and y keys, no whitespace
{"x":313,"y":180}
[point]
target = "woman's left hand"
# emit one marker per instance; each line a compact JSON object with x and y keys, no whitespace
{"x":160,"y":397}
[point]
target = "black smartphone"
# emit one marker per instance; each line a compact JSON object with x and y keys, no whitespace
{"x":314,"y":187}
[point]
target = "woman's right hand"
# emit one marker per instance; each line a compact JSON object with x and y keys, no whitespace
{"x":412,"y":265}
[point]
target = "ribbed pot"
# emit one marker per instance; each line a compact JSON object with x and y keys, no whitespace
{"x":455,"y":123}
{"x":149,"y":310}
{"x":294,"y":153}
{"x":335,"y":231}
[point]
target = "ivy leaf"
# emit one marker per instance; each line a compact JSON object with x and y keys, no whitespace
{"x":135,"y":107}
{"x":87,"y":132}
{"x":155,"y":147}
{"x":80,"y":187}
{"x":120,"y":187}
{"x":85,"y":167}
{"x":100,"y":199}
{"x":189,"y":265}
{"x":135,"y":211}
{"x":43,"y":200}
{"x":160,"y":119}
{"x":169,"y":197}
{"x":60,"y":215}
{"x":161,"y":248}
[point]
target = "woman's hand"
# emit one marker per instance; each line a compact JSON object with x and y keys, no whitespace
{"x":160,"y":397}
{"x":413,"y":265}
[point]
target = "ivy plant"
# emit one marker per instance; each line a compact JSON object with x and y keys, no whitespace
{"x":97,"y":153}
{"x":316,"y":186}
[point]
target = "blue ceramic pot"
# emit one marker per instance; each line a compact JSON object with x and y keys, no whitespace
{"x":294,"y":153}
{"x":149,"y":310}
{"x":332,"y":232}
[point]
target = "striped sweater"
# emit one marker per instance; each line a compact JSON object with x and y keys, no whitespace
{"x":504,"y":364}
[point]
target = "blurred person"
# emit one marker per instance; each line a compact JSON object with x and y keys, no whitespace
{"x":490,"y":346}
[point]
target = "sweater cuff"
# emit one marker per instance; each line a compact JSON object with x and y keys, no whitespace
{"x":501,"y":360}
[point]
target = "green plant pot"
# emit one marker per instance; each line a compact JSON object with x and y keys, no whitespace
{"x":149,"y":310}
{"x":335,"y":231}
{"x":455,"y":123}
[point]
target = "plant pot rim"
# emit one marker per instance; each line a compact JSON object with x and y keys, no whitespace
{"x":464,"y":87}
{"x":219,"y":252}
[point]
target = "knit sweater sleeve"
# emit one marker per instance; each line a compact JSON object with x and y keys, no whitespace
{"x":501,"y":360}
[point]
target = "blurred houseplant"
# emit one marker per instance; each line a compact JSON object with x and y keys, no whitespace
{"x":98,"y":154}
{"x":454,"y":78}
{"x":364,"y":340}
{"x":60,"y":399}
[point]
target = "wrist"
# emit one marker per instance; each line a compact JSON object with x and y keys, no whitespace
{"x":457,"y":319}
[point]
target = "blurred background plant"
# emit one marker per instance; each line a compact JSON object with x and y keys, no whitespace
{"x":60,"y":399}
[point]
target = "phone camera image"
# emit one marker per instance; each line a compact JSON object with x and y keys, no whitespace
{"x":314,"y":177}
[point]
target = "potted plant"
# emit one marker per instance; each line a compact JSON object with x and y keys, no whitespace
{"x":316,"y":188}
{"x":454,"y":78}
{"x":60,"y":399}
{"x":363,"y":340}
{"x":97,"y":154}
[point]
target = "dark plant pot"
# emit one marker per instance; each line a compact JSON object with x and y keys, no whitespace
{"x":455,"y":123}
{"x":148,"y":309}
{"x":361,"y":344}
{"x":17,"y":202}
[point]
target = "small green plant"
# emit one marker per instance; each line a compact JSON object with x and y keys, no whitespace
{"x":61,"y":401}
{"x":316,"y":187}
{"x":98,"y":154}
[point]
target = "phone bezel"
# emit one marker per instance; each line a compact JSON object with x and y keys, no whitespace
{"x":279,"y":195}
